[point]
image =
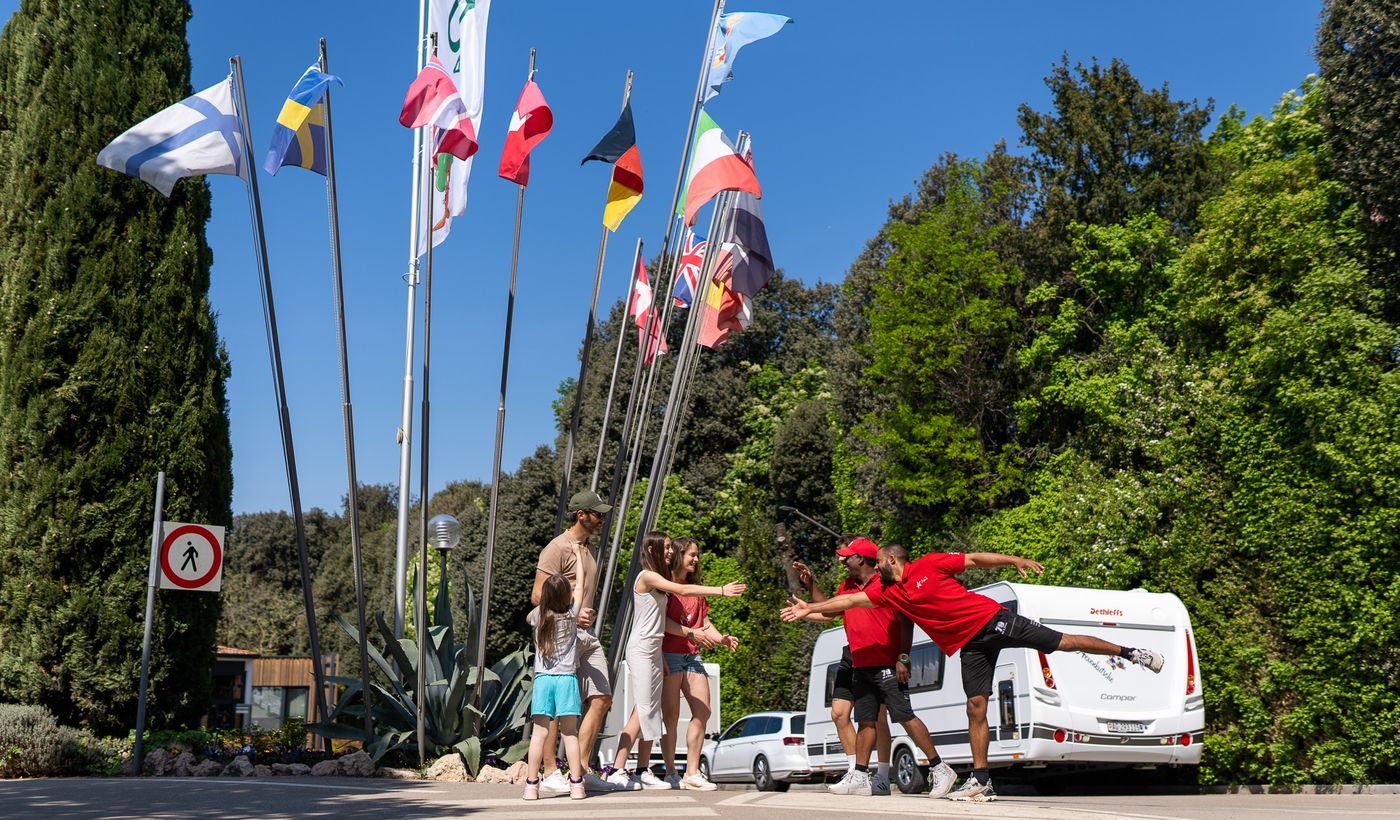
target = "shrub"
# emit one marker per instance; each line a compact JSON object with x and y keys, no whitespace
{"x":30,"y":743}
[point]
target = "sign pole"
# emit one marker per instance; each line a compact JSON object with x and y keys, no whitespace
{"x":137,"y":750}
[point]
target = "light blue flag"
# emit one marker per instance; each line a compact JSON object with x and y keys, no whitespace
{"x":734,"y":31}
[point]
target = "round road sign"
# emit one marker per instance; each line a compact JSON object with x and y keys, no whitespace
{"x":198,"y":555}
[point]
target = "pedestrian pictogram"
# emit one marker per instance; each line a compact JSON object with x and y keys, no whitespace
{"x":191,"y":556}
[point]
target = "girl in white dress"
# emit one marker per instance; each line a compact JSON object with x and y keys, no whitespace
{"x":644,"y":660}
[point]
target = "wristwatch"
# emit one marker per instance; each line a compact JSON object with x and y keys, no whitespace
{"x":904,"y":659}
{"x":690,"y":634}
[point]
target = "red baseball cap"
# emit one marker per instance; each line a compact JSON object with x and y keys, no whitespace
{"x":863,"y":547}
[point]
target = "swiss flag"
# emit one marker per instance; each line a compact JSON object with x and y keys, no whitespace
{"x":528,"y":125}
{"x":640,"y":308}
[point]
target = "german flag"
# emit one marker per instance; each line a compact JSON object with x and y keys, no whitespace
{"x":619,"y":147}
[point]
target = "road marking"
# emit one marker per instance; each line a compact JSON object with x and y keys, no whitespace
{"x":741,"y":799}
{"x":924,"y":806}
{"x":583,"y":811}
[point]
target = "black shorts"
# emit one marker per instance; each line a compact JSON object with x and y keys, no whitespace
{"x":1002,"y":630}
{"x":874,"y":685}
{"x":841,"y":689}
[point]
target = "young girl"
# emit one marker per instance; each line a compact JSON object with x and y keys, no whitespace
{"x":644,"y":660}
{"x":554,"y":692}
{"x":688,"y":630}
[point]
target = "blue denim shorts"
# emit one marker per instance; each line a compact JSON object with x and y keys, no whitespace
{"x":677,"y":662}
{"x":554,"y":695}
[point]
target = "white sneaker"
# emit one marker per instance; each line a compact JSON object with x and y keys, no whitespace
{"x":555,"y":784}
{"x":651,"y":781}
{"x":969,"y":790}
{"x":697,"y":782}
{"x":941,"y":779}
{"x":621,"y":781}
{"x":840,"y":786}
{"x":880,"y":786}
{"x":594,"y":783}
{"x":1146,"y":657}
{"x":673,"y":780}
{"x":857,"y":783}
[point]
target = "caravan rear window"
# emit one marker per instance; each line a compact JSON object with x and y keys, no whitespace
{"x":925,"y":669}
{"x":830,"y":682}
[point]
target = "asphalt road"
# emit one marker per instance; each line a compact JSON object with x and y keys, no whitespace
{"x":346,"y":799}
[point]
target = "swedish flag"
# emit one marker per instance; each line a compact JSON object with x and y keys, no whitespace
{"x":299,"y":138}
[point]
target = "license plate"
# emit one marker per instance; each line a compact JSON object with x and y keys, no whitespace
{"x":1127,"y":727}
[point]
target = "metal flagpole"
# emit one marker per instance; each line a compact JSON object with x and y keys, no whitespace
{"x":405,"y":432}
{"x":421,"y":632}
{"x":500,"y":433}
{"x":137,"y":751}
{"x":620,"y":622}
{"x":279,"y":383}
{"x":583,"y":363}
{"x":626,"y":427}
{"x":617,"y":362}
{"x":353,"y":498}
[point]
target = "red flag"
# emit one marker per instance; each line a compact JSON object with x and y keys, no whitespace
{"x":528,"y":126}
{"x":433,"y":99}
{"x":725,"y":310}
{"x":640,"y":308}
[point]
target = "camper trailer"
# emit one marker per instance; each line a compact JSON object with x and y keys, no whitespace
{"x":1048,"y":714}
{"x":622,"y":709}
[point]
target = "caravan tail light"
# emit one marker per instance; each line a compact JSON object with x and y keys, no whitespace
{"x":1190,"y":667}
{"x":1185,"y":739}
{"x":1060,"y":736}
{"x":1045,"y":670}
{"x":793,"y":741}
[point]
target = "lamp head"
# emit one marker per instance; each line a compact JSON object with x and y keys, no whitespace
{"x":444,"y":532}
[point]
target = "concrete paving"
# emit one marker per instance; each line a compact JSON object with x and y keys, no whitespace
{"x":347,"y":799}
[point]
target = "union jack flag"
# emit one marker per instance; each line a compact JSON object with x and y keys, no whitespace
{"x":692,"y":260}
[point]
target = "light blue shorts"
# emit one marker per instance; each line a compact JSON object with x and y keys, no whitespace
{"x":677,"y":662}
{"x":555,"y":696}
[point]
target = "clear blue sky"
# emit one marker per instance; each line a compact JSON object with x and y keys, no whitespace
{"x":847,"y":107}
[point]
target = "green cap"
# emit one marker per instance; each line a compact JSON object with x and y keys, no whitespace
{"x":588,"y":500}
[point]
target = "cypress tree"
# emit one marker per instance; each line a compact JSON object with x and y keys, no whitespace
{"x":110,"y":368}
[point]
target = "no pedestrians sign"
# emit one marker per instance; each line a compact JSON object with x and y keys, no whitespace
{"x":191,"y":556}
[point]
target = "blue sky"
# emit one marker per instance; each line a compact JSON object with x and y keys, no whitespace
{"x":847,"y":107}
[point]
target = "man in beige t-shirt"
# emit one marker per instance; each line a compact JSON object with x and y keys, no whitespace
{"x":586,"y":514}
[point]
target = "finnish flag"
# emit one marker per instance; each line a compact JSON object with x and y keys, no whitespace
{"x":197,"y":135}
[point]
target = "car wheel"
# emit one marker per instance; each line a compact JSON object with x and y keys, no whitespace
{"x":763,"y":776}
{"x":705,"y":768}
{"x":909,"y":776}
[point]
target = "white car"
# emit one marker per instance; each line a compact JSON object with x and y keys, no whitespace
{"x":767,"y":749}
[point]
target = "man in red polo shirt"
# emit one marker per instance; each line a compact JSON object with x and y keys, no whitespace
{"x":874,"y":638}
{"x":879,"y":673}
{"x":926,"y":592}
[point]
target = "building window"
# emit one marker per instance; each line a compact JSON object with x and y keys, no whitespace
{"x":273,"y":706}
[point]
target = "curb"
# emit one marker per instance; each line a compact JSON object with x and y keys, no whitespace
{"x":1357,"y":788}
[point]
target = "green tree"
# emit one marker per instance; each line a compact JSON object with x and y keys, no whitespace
{"x":110,"y":368}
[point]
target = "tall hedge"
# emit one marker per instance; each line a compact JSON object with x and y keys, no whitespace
{"x":110,"y":368}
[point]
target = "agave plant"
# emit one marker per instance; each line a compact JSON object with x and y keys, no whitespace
{"x":450,"y":696}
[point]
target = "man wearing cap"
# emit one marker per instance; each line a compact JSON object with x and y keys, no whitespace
{"x":856,"y":557}
{"x":879,"y":640}
{"x":585,"y":515}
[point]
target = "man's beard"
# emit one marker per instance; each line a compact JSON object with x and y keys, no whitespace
{"x":886,"y":574}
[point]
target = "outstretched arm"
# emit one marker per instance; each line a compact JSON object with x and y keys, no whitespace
{"x":1025,"y":566}
{"x":804,"y":575}
{"x":798,"y":609}
{"x":652,"y":580}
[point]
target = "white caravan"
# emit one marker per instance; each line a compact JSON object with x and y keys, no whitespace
{"x":1048,"y":713}
{"x":622,"y":709}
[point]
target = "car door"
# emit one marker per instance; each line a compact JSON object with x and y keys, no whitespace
{"x":723,"y":764}
{"x":751,"y":742}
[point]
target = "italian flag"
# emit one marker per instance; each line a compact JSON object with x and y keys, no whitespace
{"x":714,"y":167}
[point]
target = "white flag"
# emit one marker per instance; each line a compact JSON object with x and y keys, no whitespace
{"x":198,"y":135}
{"x":460,"y":26}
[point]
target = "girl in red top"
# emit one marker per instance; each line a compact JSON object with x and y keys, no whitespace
{"x":688,"y":630}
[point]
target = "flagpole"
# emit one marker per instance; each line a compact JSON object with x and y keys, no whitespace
{"x":405,"y":432}
{"x":500,"y":432}
{"x":421,"y":633}
{"x":617,"y":362}
{"x":279,"y":384}
{"x":626,"y":423}
{"x":587,"y":346}
{"x":655,"y":476}
{"x":353,"y":498}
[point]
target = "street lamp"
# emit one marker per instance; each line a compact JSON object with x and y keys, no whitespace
{"x":808,"y":518}
{"x":444,"y":534}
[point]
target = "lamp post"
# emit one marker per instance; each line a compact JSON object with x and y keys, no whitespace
{"x":443,"y":532}
{"x":808,"y":518}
